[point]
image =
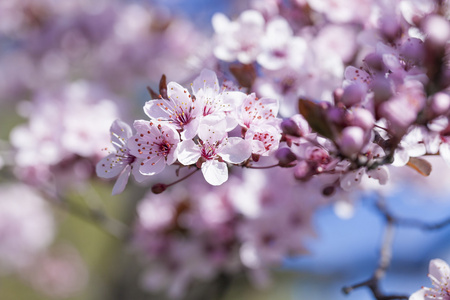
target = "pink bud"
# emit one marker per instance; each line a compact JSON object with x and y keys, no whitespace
{"x":159,"y":188}
{"x":363,"y":118}
{"x":352,"y":140}
{"x":285,"y":156}
{"x":302,"y":171}
{"x":390,"y":28}
{"x":437,"y":29}
{"x":290,"y":127}
{"x":382,"y":89}
{"x":337,"y":94}
{"x":440,"y":103}
{"x":374,"y":61}
{"x":353,"y":94}
{"x":413,"y":50}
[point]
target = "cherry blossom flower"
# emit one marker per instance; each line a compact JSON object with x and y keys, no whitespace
{"x":238,"y":39}
{"x":216,"y":103}
{"x":256,"y":111}
{"x":154,"y":143}
{"x":265,"y":139}
{"x":280,"y":48}
{"x":439,"y":273}
{"x":121,"y":162}
{"x":181,"y":110}
{"x":215,"y":149}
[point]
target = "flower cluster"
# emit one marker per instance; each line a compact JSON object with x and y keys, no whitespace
{"x":195,"y":129}
{"x":328,"y":95}
{"x":328,"y":103}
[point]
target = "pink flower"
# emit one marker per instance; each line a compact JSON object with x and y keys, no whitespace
{"x":280,"y":48}
{"x":181,"y":110}
{"x":264,"y":139}
{"x":439,"y":273}
{"x":214,"y":102}
{"x":121,"y":162}
{"x":239,"y":39}
{"x":257,"y":111}
{"x":155,"y":144}
{"x":215,"y":148}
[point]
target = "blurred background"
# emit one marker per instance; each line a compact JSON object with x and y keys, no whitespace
{"x":73,"y":246}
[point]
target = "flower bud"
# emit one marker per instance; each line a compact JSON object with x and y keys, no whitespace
{"x":159,"y":188}
{"x":302,"y":171}
{"x":353,"y":94}
{"x":382,"y":89}
{"x":328,"y":190}
{"x":290,"y":127}
{"x":337,"y":94}
{"x":285,"y":156}
{"x":352,"y":140}
{"x":440,"y":103}
{"x":390,"y":28}
{"x":374,"y":61}
{"x":437,"y":29}
{"x":363,"y":118}
{"x":413,"y":50}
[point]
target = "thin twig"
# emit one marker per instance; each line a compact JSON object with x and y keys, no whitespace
{"x":383,"y":263}
{"x":261,"y":167}
{"x":93,"y":216}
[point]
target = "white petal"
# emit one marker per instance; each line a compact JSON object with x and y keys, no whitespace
{"x":155,"y":109}
{"x":207,"y":81}
{"x":153,"y":165}
{"x":188,"y":152}
{"x":138,"y":176}
{"x":120,"y":133}
{"x":401,"y":158}
{"x":419,"y":295}
{"x":444,"y":151}
{"x":220,"y":22}
{"x":212,"y":134}
{"x":215,"y":172}
{"x":351,"y":180}
{"x":109,"y":166}
{"x":234,"y":98}
{"x":381,"y":174}
{"x":122,"y":181}
{"x":440,"y":270}
{"x":178,"y":94}
{"x":190,"y":129}
{"x":236,"y":150}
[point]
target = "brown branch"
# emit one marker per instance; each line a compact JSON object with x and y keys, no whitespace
{"x":383,"y":263}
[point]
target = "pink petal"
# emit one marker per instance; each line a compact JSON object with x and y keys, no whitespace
{"x":381,"y":174}
{"x":440,"y":270}
{"x":188,"y":152}
{"x":351,"y":179}
{"x":120,"y":132}
{"x":138,"y":176}
{"x":215,"y":172}
{"x":122,"y":181}
{"x":178,"y":94}
{"x":236,"y":150}
{"x":419,"y":295}
{"x":212,"y":134}
{"x":207,"y":81}
{"x":153,"y":165}
{"x":444,"y":151}
{"x":190,"y":129}
{"x":155,"y":109}
{"x":109,"y":166}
